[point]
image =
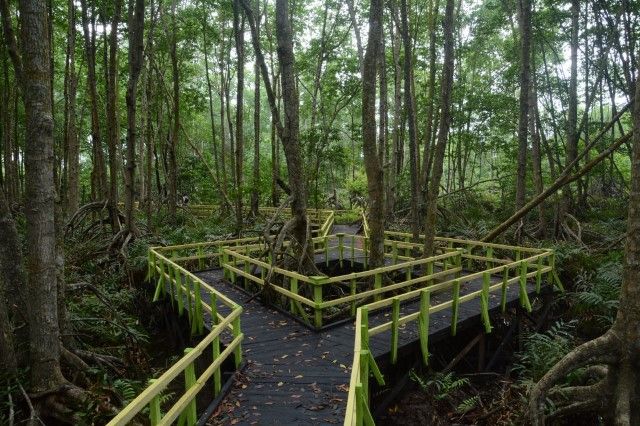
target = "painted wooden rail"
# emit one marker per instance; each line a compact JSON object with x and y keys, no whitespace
{"x":536,"y":267}
{"x":301,"y":290}
{"x":244,"y":261}
{"x":185,"y":291}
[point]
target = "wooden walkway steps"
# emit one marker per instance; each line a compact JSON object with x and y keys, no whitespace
{"x":295,"y":375}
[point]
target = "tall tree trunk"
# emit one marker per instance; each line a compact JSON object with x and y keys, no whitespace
{"x":214,"y":144}
{"x":113,"y":124}
{"x":99,"y":175}
{"x":409,"y":103}
{"x":572,"y":110}
{"x":291,"y":127}
{"x":73,"y":146}
{"x":524,"y":21}
{"x":44,"y":331}
{"x":372,"y":164}
{"x":289,"y":131}
{"x":255,"y":193}
{"x":536,"y":155}
{"x":443,"y":131}
{"x":223,"y":139}
{"x":238,"y":30}
{"x":173,"y":168}
{"x":428,"y":133}
{"x":136,"y":33}
{"x":356,"y":31}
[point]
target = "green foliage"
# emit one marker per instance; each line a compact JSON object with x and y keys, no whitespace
{"x":543,"y":350}
{"x":442,"y":384}
{"x":596,"y":295}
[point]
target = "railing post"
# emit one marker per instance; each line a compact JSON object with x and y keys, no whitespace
{"x":364,"y":354}
{"x":197,"y":320}
{"x":469,"y":260}
{"x":429,"y":272}
{"x":353,"y":291}
{"x":326,"y":251}
{"x":224,"y":261}
{"x":377,"y":285}
{"x":189,"y":381}
{"x":317,"y":300}
{"x":503,"y":295}
{"x":200,"y":258}
{"x":237,"y":352}
{"x":293,"y":287}
{"x":455,"y":304}
{"x":178,"y":279}
{"x":539,"y":274}
{"x":490,"y":256}
{"x":423,"y":324}
{"x":395,"y":316}
{"x":340,"y":247}
{"x":353,"y":249}
{"x":484,"y":301}
{"x":155,"y":415}
{"x":524,"y":297}
{"x":215,"y":346}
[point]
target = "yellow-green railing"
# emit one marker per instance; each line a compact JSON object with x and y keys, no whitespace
{"x":302,"y":290}
{"x":185,"y":290}
{"x":537,"y":266}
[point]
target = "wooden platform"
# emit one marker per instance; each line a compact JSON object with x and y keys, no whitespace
{"x":298,"y":376}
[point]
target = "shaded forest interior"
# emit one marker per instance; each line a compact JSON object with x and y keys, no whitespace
{"x":507,"y":121}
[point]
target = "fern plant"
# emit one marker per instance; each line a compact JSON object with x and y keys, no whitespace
{"x":543,"y":350}
{"x":596,"y":294}
{"x":443,"y":384}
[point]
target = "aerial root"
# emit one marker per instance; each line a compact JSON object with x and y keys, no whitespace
{"x":602,"y":350}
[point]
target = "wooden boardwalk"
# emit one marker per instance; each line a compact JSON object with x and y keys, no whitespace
{"x":298,"y":376}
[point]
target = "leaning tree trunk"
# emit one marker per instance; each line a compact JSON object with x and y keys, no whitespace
{"x":616,"y":354}
{"x":372,"y":163}
{"x":443,"y":131}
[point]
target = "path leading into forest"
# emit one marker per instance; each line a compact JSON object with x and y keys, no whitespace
{"x":295,"y":375}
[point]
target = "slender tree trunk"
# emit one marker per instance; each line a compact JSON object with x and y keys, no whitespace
{"x":572,"y":110}
{"x":136,"y":33}
{"x":428,"y":133}
{"x":238,"y":30}
{"x":524,"y":20}
{"x":214,"y":144}
{"x":372,"y":163}
{"x":73,"y":160}
{"x":409,"y":103}
{"x":173,"y":168}
{"x":223,"y":139}
{"x":40,"y":195}
{"x":536,"y":155}
{"x":356,"y":31}
{"x":99,"y":176}
{"x":255,"y":193}
{"x":113,"y":124}
{"x":443,"y":131}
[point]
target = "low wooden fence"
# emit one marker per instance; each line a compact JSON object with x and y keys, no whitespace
{"x":186,"y":290}
{"x":306,"y":295}
{"x":537,"y":266}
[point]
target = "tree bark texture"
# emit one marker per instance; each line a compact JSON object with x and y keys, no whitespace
{"x":443,"y":131}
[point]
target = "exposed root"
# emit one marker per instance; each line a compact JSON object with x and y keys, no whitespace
{"x":602,"y":350}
